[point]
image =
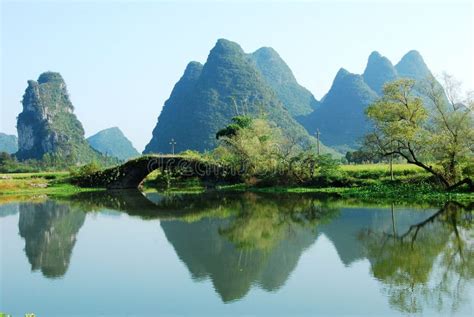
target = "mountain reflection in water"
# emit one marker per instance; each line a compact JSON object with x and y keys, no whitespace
{"x":240,"y":241}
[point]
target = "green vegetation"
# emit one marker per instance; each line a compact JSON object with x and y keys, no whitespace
{"x":439,"y":141}
{"x":112,"y":142}
{"x":405,"y":261}
{"x":263,"y":155}
{"x":37,"y":184}
{"x":49,"y":163}
{"x":208,"y":96}
{"x":235,"y":110}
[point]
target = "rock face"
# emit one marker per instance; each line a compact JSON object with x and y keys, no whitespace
{"x":8,"y":143}
{"x":112,"y":142}
{"x":341,"y":116}
{"x":48,"y":125}
{"x":207,"y":96}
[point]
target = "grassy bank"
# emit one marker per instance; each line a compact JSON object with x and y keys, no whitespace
{"x":373,"y":183}
{"x":385,"y":192}
{"x":34,"y":184}
{"x":363,"y":182}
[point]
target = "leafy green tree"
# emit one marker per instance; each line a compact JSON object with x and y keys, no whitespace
{"x":239,"y":122}
{"x":261,"y":152}
{"x":250,"y":146}
{"x":361,"y":156}
{"x":437,"y":137}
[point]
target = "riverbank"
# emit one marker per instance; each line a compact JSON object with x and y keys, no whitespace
{"x":374,"y":184}
{"x":386,"y":193}
{"x":42,"y":183}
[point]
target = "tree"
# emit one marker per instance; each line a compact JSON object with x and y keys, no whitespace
{"x":239,"y":122}
{"x":361,"y":156}
{"x":262,"y":153}
{"x":438,"y":137}
{"x":452,"y":128}
{"x":250,"y":145}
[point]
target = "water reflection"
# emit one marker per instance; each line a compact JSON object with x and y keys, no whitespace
{"x":430,"y":264}
{"x":259,"y":240}
{"x":241,"y":241}
{"x":49,"y":230}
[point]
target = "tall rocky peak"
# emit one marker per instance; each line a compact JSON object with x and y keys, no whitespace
{"x":47,"y":124}
{"x":177,"y":111}
{"x":189,"y":78}
{"x":413,"y":66}
{"x":296,"y":99}
{"x":379,"y":71}
{"x":192,"y":71}
{"x":272,"y":66}
{"x":340,"y":118}
{"x":229,"y":84}
{"x":51,"y":77}
{"x":349,"y":82}
{"x":227,"y":66}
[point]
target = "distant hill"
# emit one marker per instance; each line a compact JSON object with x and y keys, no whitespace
{"x":112,"y":142}
{"x":8,"y":143}
{"x":207,"y":96}
{"x":48,"y":125}
{"x":341,"y":115}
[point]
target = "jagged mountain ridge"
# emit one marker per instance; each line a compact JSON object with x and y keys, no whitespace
{"x":207,"y":96}
{"x":338,"y":120}
{"x":341,"y":115}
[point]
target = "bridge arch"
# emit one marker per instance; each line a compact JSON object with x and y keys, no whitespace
{"x":132,"y":173}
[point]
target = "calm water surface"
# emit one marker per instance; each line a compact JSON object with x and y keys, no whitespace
{"x":131,"y":254}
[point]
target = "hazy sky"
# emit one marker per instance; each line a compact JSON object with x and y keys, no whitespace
{"x":121,"y":59}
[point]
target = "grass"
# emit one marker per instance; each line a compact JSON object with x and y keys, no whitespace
{"x":380,"y":193}
{"x":381,"y":167}
{"x":369,"y":182}
{"x":372,"y":183}
{"x":33,"y":184}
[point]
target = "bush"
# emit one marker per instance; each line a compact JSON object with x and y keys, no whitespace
{"x":85,"y":170}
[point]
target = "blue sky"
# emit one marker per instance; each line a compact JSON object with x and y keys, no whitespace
{"x":121,"y":59}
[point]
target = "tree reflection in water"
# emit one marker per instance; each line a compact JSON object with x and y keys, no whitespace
{"x":242,"y":240}
{"x":428,"y":265}
{"x":259,"y":240}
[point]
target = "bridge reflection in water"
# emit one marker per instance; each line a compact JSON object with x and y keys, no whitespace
{"x":243,"y":240}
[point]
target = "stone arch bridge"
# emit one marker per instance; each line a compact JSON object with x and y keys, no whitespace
{"x":132,"y":173}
